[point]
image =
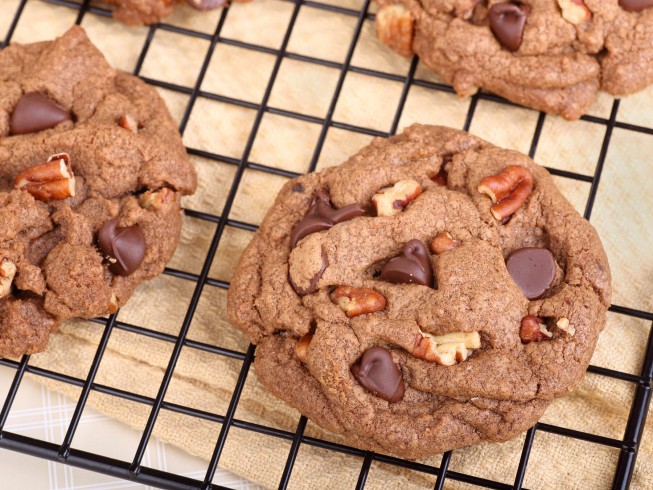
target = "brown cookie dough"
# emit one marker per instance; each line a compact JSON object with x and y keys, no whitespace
{"x":117,"y":156}
{"x":551,"y":55}
{"x":403,"y":329}
{"x":137,"y":12}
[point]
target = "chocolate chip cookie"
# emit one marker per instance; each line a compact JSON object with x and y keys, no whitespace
{"x":551,"y":55}
{"x":431,"y":292}
{"x":92,"y":170}
{"x":136,"y":12}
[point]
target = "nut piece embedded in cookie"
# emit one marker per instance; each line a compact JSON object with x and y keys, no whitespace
{"x":7,"y":274}
{"x":129,"y":123}
{"x":358,"y":301}
{"x":443,"y":242}
{"x":395,"y":27}
{"x":377,"y":372}
{"x":123,"y":247}
{"x":575,"y":11}
{"x":301,"y":347}
{"x":157,"y":199}
{"x":51,"y":180}
{"x":563,"y":324}
{"x":533,"y":329}
{"x":393,"y":200}
{"x":508,"y":190}
{"x":446,"y":349}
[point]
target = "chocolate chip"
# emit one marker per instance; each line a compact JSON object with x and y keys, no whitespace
{"x":377,"y":372}
{"x":207,"y":4}
{"x":635,"y":5}
{"x":322,"y":216}
{"x":35,"y":112}
{"x":532,"y":269}
{"x":124,"y":247}
{"x":507,"y":22}
{"x":412,"y":266}
{"x":298,"y":188}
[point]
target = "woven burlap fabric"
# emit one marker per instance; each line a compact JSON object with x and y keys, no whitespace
{"x":205,"y":381}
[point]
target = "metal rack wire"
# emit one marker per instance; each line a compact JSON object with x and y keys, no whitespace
{"x":134,"y":469}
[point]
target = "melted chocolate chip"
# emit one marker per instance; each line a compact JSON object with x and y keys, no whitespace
{"x":377,"y":372}
{"x":412,"y":266}
{"x":507,"y":22}
{"x":124,"y":247}
{"x":322,"y":216}
{"x":532,"y":269}
{"x":298,"y":188}
{"x":35,"y":112}
{"x":635,"y":5}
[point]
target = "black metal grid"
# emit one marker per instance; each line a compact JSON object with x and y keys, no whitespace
{"x":134,"y":469}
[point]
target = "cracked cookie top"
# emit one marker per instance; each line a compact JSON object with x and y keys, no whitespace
{"x":432,"y":291}
{"x":551,"y":55}
{"x":84,"y":151}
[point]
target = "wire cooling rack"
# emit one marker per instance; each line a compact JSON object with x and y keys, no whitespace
{"x":134,"y":469}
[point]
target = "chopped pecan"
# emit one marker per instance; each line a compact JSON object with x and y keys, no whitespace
{"x":392,"y":200}
{"x":113,"y":304}
{"x":129,"y":123}
{"x":156,"y":200}
{"x":508,"y":190}
{"x":575,"y":11}
{"x":358,"y":301}
{"x":7,"y":274}
{"x":302,"y":345}
{"x":51,"y":180}
{"x":563,"y":324}
{"x":395,"y":27}
{"x":533,"y":329}
{"x":446,"y":349}
{"x":444,"y":242}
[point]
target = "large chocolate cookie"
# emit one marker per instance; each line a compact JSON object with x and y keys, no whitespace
{"x":552,"y":55}
{"x":92,"y":170}
{"x":431,"y":292}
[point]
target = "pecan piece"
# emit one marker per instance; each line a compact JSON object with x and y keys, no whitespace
{"x":446,"y":349}
{"x":51,"y":180}
{"x":575,"y":11}
{"x":358,"y":301}
{"x":7,"y":274}
{"x":392,"y":200}
{"x":508,"y":190}
{"x":301,"y":347}
{"x":563,"y":324}
{"x":129,"y":123}
{"x":156,"y":200}
{"x":443,"y":242}
{"x":533,"y":329}
{"x":395,"y":27}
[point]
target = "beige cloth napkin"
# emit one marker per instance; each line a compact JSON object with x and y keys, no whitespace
{"x":204,"y":381}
